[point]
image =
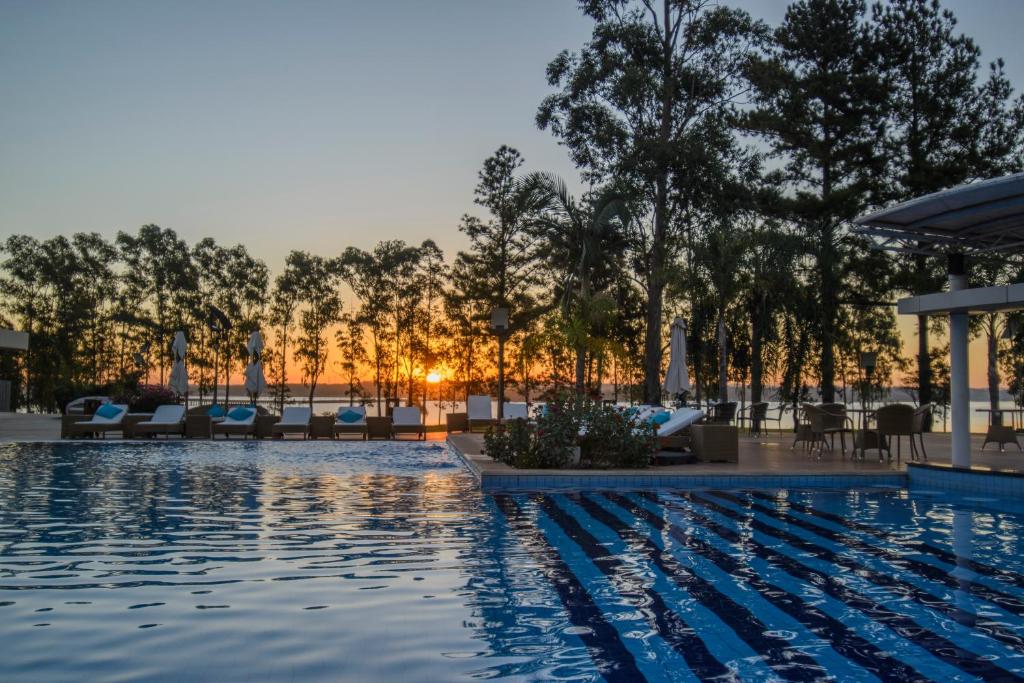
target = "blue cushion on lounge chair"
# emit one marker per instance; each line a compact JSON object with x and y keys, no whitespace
{"x":349,"y":416}
{"x":108,"y":410}
{"x":240,"y":413}
{"x":660,"y":418}
{"x":215,"y":411}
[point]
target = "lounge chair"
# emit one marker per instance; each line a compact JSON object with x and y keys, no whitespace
{"x":407,"y":420}
{"x":294,"y":420}
{"x":350,"y":420}
{"x":168,"y":419}
{"x":106,"y":419}
{"x":478,"y":408}
{"x":240,"y":421}
{"x":672,"y":434}
{"x":515,"y":411}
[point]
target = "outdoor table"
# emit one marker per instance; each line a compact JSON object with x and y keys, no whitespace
{"x":129,"y":421}
{"x":864,"y":438}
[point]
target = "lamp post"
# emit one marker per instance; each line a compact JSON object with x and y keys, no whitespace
{"x":433,"y":377}
{"x":499,"y":328}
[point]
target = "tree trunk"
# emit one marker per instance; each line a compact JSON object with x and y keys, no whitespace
{"x":723,"y":359}
{"x":993,"y":361}
{"x":501,"y":376}
{"x":756,"y":387}
{"x":581,"y":364}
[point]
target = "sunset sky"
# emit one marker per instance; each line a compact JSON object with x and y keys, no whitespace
{"x":294,"y":125}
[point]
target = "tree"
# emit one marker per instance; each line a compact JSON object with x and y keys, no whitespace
{"x":501,"y":267}
{"x":646,"y":102}
{"x":819,"y":105}
{"x":930,"y":73}
{"x":316,"y":282}
{"x":584,"y":243}
{"x":349,"y":338}
{"x":284,"y":302}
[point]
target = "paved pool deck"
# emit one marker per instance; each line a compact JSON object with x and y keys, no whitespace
{"x":763,"y":462}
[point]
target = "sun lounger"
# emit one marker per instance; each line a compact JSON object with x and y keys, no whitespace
{"x":240,"y":421}
{"x":674,"y":433}
{"x":478,"y":408}
{"x":167,"y":420}
{"x":515,"y":411}
{"x":294,"y":420}
{"x":407,"y":420}
{"x":350,"y":420}
{"x":107,"y":419}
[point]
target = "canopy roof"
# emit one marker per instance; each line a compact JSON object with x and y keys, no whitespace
{"x":982,"y":216}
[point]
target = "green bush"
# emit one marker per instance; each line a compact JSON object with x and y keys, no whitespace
{"x":611,"y":439}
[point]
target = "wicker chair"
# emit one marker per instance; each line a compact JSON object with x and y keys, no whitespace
{"x":922,"y":416}
{"x":896,"y":419}
{"x":824,"y":426}
{"x":723,"y":413}
{"x":758,"y":417}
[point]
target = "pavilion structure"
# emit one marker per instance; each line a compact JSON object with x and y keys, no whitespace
{"x":960,"y":223}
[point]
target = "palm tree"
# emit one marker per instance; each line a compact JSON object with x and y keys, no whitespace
{"x":584,"y":240}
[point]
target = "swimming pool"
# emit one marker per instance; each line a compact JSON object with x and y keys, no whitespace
{"x":383,"y":562}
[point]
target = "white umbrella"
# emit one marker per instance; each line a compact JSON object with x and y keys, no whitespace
{"x":178,"y":381}
{"x":255,"y":382}
{"x":677,"y":378}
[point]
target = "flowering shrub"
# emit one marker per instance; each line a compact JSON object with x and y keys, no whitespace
{"x":148,"y":397}
{"x":608,"y":438}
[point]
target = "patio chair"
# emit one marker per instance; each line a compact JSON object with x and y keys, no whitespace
{"x":922,"y":416}
{"x":408,"y":420}
{"x":350,"y":420}
{"x":723,"y":413}
{"x":168,"y":419}
{"x":758,"y":417}
{"x":294,"y":420}
{"x":478,"y":408}
{"x":895,"y":420}
{"x":824,"y":425}
{"x":107,"y":418}
{"x":239,"y":421}
{"x":775,"y":415}
{"x":837,"y":422}
{"x":515,"y":411}
{"x":674,"y":434}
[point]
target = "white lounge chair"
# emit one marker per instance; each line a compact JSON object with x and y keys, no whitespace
{"x":167,"y":419}
{"x":240,"y":420}
{"x":680,"y":420}
{"x":103,"y":421}
{"x":407,"y":420}
{"x":515,"y":411}
{"x":294,"y":420}
{"x":350,"y":420}
{"x":478,"y":411}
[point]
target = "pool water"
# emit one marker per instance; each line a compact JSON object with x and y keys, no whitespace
{"x":309,"y":561}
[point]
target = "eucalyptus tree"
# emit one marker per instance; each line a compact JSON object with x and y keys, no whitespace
{"x":349,"y":338}
{"x":316,"y":281}
{"x":158,"y":269}
{"x":284,"y":301}
{"x":819,"y":104}
{"x":430,"y":275}
{"x":647,"y":102}
{"x":501,"y":267}
{"x":930,"y":72}
{"x":368,"y":278}
{"x":584,"y":242}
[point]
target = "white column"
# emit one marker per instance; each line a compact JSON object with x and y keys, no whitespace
{"x":959,"y":384}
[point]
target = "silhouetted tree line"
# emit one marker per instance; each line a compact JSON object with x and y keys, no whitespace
{"x":723,"y":161}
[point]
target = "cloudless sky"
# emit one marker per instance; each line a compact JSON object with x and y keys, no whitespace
{"x":292,"y":125}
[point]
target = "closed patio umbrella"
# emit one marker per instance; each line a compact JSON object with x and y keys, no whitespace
{"x":178,"y":381}
{"x":677,"y":378}
{"x":255,"y":381}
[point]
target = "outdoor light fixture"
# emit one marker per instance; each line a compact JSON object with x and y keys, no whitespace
{"x":499,"y":321}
